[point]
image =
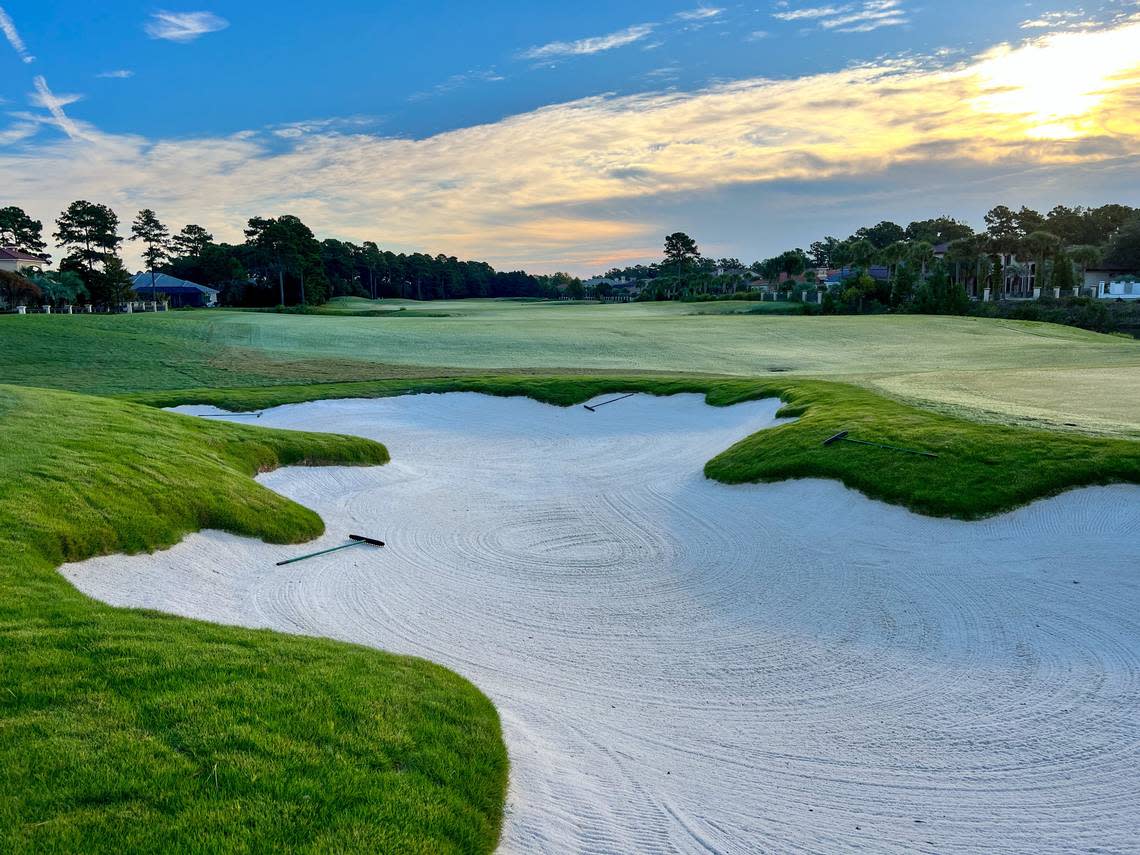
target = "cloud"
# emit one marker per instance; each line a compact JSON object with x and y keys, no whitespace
{"x":590,"y":178}
{"x":183,"y":26}
{"x":809,"y":13}
{"x":701,"y":13}
{"x":873,"y":15}
{"x":594,"y":44}
{"x":13,"y":36}
{"x":852,"y":17}
{"x":458,"y":81}
{"x":757,"y":35}
{"x":1053,"y":20}
{"x":54,"y":104}
{"x":118,"y":74}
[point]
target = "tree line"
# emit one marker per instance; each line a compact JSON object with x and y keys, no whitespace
{"x":1060,"y":245}
{"x":280,"y":262}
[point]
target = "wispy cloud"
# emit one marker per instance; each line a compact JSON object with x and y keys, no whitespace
{"x":183,"y":26}
{"x":701,"y":13}
{"x":850,"y":18}
{"x":590,"y":177}
{"x":13,"y":36}
{"x":809,"y":13}
{"x":1054,"y":20}
{"x":594,"y":44}
{"x":117,"y":74}
{"x":458,"y":81}
{"x":54,"y":104}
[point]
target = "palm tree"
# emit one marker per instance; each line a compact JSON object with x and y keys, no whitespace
{"x":922,"y":254}
{"x":1084,"y":256}
{"x":892,"y":255}
{"x":1040,"y":245}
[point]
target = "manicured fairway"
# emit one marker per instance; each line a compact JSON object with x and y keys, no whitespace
{"x":988,"y":369}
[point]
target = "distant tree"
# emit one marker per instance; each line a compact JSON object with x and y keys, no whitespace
{"x":938,"y":230}
{"x":15,"y":290}
{"x":893,"y":255}
{"x":1124,"y":248}
{"x":1063,"y":276}
{"x":21,"y":231}
{"x":60,"y":286}
{"x":921,"y":254}
{"x":112,"y":284}
{"x":1084,"y":257}
{"x":862,"y":253}
{"x":680,"y":253}
{"x":881,"y":235}
{"x":1040,"y":246}
{"x":1028,"y":221}
{"x":285,"y":245}
{"x":155,"y":239}
{"x":90,"y":232}
{"x":820,"y":252}
{"x":1001,"y":226}
{"x":902,"y":284}
{"x":191,"y":242}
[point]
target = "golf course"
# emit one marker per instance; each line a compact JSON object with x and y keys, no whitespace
{"x":726,"y":587}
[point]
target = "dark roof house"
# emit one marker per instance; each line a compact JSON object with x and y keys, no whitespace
{"x":180,"y":291}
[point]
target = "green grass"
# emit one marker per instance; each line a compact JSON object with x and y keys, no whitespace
{"x":126,"y":730}
{"x":999,"y":371}
{"x":981,"y":469}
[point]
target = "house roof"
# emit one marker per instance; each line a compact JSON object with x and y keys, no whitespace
{"x":10,"y":253}
{"x":169,"y":284}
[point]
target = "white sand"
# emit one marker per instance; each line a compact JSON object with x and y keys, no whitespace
{"x":683,"y":666}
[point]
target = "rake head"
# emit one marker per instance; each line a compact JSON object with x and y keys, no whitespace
{"x":839,"y":436}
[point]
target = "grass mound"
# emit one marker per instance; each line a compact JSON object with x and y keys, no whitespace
{"x":134,"y":731}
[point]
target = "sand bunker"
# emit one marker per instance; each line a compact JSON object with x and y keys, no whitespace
{"x":684,"y":666}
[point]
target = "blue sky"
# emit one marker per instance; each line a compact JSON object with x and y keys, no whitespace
{"x":436,"y":125}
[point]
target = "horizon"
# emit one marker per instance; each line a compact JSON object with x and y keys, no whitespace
{"x":572,"y":140}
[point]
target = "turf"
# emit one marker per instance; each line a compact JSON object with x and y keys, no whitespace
{"x":133,"y":731}
{"x":999,"y":371}
{"x":981,"y":469}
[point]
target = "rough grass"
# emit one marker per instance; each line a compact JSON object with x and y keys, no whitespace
{"x":133,"y":731}
{"x":981,"y":469}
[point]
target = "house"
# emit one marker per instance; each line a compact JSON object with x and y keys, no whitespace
{"x":15,"y":260}
{"x":1109,"y":282}
{"x":878,"y":272}
{"x":178,"y":291}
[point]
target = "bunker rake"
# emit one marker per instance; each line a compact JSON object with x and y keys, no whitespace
{"x":611,"y":401}
{"x":357,"y":540}
{"x":843,"y":437}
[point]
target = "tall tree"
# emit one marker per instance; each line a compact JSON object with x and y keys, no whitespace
{"x":21,"y":231}
{"x":1124,"y":248}
{"x":191,"y":242}
{"x":90,"y":232}
{"x":1040,"y":246}
{"x":881,"y":235}
{"x":155,"y":239}
{"x":680,"y":252}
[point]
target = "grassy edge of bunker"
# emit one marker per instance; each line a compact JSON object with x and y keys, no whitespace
{"x":130,"y":730}
{"x":982,"y":468}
